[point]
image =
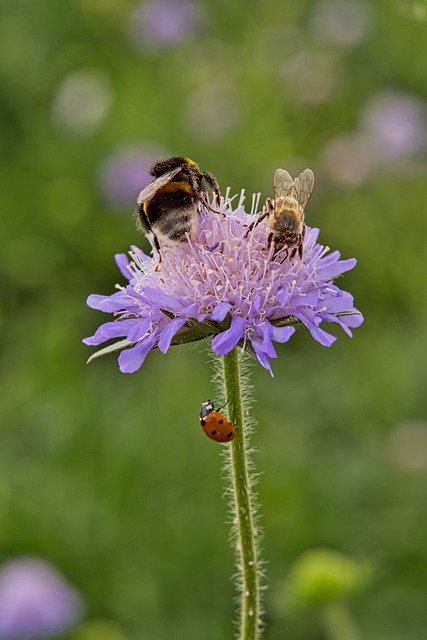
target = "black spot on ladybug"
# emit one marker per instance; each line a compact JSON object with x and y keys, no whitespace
{"x":220,"y":421}
{"x":214,"y":432}
{"x":230,"y":435}
{"x":202,"y":422}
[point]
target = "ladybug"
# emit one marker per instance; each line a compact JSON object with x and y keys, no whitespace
{"x":215,"y":424}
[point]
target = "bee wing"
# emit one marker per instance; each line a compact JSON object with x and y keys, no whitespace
{"x":283,"y":183}
{"x":304,"y":186}
{"x":157,"y":184}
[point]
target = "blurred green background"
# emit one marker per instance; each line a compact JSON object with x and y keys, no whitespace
{"x":109,"y":476}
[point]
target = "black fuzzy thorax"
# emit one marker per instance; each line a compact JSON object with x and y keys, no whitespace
{"x":163,"y":166}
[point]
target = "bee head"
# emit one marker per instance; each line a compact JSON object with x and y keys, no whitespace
{"x":163,"y":166}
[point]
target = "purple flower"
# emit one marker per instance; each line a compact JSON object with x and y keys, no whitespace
{"x":35,"y":601}
{"x":225,"y":284}
{"x":124,"y":173}
{"x":162,"y":23}
{"x":397,"y":122}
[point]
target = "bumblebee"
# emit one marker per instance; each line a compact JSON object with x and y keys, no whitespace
{"x":286,"y":212}
{"x":167,"y":207}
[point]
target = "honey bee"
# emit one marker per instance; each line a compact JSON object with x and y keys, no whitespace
{"x":167,"y":206}
{"x":286,"y":212}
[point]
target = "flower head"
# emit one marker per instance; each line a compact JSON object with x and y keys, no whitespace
{"x":225,"y":283}
{"x":35,"y":601}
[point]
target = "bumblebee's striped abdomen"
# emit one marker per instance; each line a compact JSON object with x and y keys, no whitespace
{"x":171,"y":211}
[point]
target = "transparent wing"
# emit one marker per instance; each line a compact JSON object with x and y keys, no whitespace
{"x":304,"y":186}
{"x":283,"y":183}
{"x":157,"y":184}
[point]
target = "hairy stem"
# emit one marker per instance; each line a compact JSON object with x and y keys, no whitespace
{"x":243,"y":500}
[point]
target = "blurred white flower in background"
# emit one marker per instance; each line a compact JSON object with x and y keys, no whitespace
{"x":82,"y":101}
{"x":211,"y":111}
{"x":310,"y":76}
{"x":350,"y":159}
{"x":344,"y":23}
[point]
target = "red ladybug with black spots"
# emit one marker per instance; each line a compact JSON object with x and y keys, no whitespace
{"x":215,"y":424}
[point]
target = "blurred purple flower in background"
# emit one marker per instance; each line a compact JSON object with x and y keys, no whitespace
{"x":397,"y":121}
{"x":229,"y":284}
{"x":35,"y":601}
{"x":124,"y":173}
{"x":163,"y":23}
{"x":392,"y":130}
{"x":344,"y":23}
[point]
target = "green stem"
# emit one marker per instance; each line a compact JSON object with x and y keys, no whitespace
{"x":243,"y":502}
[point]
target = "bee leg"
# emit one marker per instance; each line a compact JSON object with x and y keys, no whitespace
{"x":286,"y":252}
{"x":300,"y":246}
{"x":192,"y":178}
{"x":261,"y":217}
{"x":157,"y":248}
{"x":211,"y":180}
{"x":208,"y":206}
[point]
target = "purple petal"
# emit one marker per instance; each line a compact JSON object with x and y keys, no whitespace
{"x":262,"y":357}
{"x":110,"y":330}
{"x":328,"y":272}
{"x":109,"y":304}
{"x":282,"y":334}
{"x":325,"y":338}
{"x":161,"y":300}
{"x":255,"y":306}
{"x":168,"y":333}
{"x":130,"y":360}
{"x":139,"y":253}
{"x":304,"y":300}
{"x":338,"y":304}
{"x":139,"y":329}
{"x":192,"y":311}
{"x":311,"y":235}
{"x":227,"y":340}
{"x":346,"y":322}
{"x":221,"y":311}
{"x":122,"y":261}
{"x":283,"y":296}
{"x":352,"y":320}
{"x":265,"y":330}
